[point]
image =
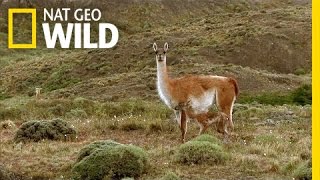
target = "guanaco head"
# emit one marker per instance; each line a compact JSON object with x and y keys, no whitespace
{"x":161,"y":52}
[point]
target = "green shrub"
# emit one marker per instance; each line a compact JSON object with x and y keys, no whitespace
{"x":4,"y":96}
{"x":90,"y":148}
{"x":302,"y":95}
{"x":300,"y":71}
{"x":273,"y":98}
{"x":49,"y":108}
{"x":56,"y":129}
{"x":131,"y":126}
{"x":159,"y":126}
{"x":208,"y":138}
{"x":199,"y":152}
{"x":84,"y":104}
{"x":78,"y":113}
{"x":303,"y":171}
{"x":110,"y":109}
{"x":60,"y":78}
{"x":170,"y":176}
{"x":11,"y":113}
{"x":112,"y":162}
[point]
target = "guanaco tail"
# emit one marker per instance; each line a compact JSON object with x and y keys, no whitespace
{"x":191,"y":96}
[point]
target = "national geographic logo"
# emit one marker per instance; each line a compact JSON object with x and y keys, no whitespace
{"x":33,"y":12}
{"x":53,"y":29}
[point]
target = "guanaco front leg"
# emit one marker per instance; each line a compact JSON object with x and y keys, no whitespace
{"x":183,"y":125}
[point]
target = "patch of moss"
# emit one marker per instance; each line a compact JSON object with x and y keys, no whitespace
{"x":56,"y":129}
{"x":111,"y":161}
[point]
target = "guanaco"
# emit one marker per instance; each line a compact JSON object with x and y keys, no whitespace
{"x":198,"y":92}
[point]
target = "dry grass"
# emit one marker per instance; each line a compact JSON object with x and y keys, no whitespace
{"x":256,"y":148}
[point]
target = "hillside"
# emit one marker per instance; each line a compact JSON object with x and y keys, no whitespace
{"x":243,"y":41}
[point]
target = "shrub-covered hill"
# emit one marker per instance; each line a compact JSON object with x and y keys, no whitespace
{"x":265,"y":42}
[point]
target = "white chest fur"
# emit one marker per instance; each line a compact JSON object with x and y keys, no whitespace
{"x":162,"y":85}
{"x":164,"y":94}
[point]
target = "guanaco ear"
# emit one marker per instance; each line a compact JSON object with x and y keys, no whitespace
{"x":166,"y":47}
{"x":155,"y":47}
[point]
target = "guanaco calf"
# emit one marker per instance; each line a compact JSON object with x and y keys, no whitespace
{"x":198,"y":91}
{"x":38,"y":92}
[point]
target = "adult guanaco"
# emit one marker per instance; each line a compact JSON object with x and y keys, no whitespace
{"x":192,"y":95}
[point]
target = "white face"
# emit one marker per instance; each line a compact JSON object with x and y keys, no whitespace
{"x":161,"y":52}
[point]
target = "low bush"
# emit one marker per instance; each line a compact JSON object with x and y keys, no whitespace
{"x":86,"y":105}
{"x":110,"y":160}
{"x":131,"y":126}
{"x":56,"y":129}
{"x":273,"y":98}
{"x":299,"y":96}
{"x":10,"y":113}
{"x":302,"y":95}
{"x":90,"y":148}
{"x":200,"y":152}
{"x":76,"y":113}
{"x":208,"y":138}
{"x":170,"y":176}
{"x":303,"y":171}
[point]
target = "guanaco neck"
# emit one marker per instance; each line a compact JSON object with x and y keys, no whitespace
{"x":163,"y":82}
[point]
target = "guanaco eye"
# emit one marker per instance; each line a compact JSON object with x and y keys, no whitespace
{"x":156,"y":52}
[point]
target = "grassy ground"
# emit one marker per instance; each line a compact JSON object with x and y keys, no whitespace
{"x":268,"y":141}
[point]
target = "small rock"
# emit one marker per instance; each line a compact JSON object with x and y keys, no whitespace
{"x":270,"y":122}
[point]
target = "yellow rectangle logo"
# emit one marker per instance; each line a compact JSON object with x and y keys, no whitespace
{"x":34,"y":28}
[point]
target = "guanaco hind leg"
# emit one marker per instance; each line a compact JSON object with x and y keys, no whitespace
{"x":225,"y":105}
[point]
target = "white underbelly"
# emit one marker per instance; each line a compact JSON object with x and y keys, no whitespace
{"x":202,"y":103}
